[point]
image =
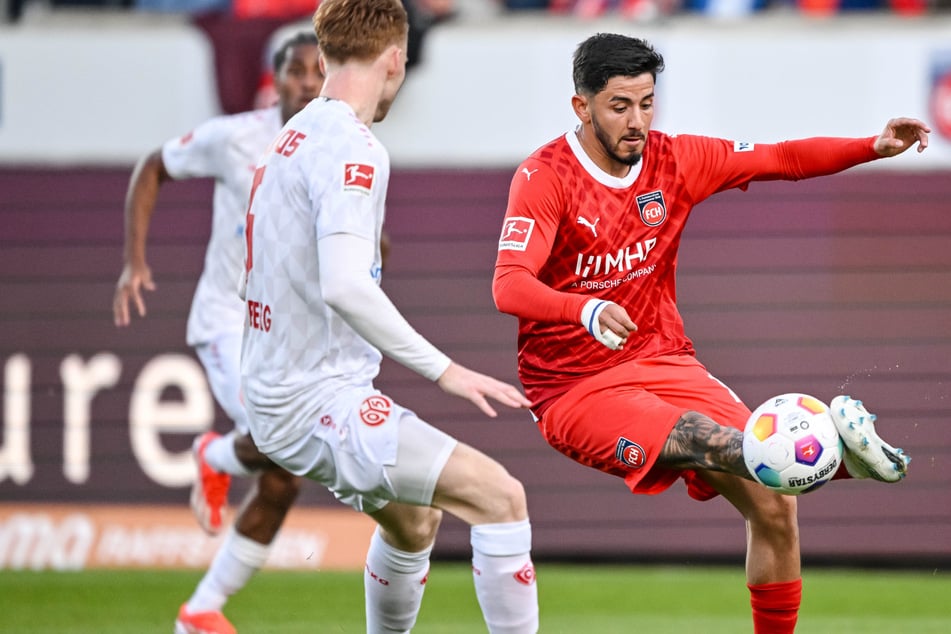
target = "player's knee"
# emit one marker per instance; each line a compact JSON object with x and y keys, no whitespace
{"x":279,"y":486}
{"x":508,"y":502}
{"x":417,"y":532}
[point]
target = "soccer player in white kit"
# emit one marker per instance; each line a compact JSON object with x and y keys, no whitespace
{"x":227,"y":149}
{"x":317,"y":322}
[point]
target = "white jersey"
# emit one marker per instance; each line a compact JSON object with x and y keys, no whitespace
{"x":326,"y":174}
{"x":226,"y":148}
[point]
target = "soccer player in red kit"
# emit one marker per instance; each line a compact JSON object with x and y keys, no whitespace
{"x":587,"y":262}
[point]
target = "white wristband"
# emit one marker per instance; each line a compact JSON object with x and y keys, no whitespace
{"x":589,"y":319}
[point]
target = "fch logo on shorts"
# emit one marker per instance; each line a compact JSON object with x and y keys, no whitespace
{"x":375,"y":410}
{"x":630,"y":453}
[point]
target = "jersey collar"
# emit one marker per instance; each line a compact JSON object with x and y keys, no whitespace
{"x":596,"y":172}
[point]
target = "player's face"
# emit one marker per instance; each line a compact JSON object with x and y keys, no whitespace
{"x":394,"y":81}
{"x":299,"y":80}
{"x":620,"y":117}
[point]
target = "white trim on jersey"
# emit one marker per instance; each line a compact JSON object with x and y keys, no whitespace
{"x":596,"y":172}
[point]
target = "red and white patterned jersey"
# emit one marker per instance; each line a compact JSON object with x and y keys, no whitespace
{"x":572,"y":232}
{"x":225,"y":148}
{"x":325,"y":174}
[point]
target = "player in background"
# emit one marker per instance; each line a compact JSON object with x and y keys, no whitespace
{"x":318,"y":324}
{"x":225,"y":148}
{"x":587,"y":262}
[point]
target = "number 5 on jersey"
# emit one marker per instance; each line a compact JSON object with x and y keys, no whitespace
{"x":249,"y":219}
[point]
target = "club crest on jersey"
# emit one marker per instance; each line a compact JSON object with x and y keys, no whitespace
{"x":630,"y":453}
{"x":375,"y":410}
{"x":515,"y":233}
{"x":652,"y":208}
{"x":358,"y":177}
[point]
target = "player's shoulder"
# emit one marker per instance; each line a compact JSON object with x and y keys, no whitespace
{"x":545,"y":163}
{"x":261,"y":119}
{"x":552,"y":153}
{"x":334,"y":123}
{"x":676,"y":141}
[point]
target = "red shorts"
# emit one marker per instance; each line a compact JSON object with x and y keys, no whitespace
{"x":618,"y":421}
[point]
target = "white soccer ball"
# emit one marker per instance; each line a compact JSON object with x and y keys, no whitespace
{"x":791,"y":445}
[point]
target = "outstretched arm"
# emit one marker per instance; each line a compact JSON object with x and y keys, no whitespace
{"x":141,"y":195}
{"x":346,"y":286}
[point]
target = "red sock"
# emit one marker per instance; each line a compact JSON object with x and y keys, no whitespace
{"x":775,"y":606}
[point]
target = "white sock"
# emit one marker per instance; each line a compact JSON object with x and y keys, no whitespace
{"x":505,"y":577}
{"x":393,"y":581}
{"x":220,"y":456}
{"x":234,"y":564}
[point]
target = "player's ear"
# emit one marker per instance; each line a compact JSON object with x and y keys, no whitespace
{"x":580,"y":104}
{"x":395,"y":60}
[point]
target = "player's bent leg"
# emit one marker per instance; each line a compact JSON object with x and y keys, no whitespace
{"x":479,"y":490}
{"x":773,"y":569}
{"x":397,"y":566}
{"x":698,"y":442}
{"x":866,"y":454}
{"x":244,"y":550}
{"x":266,"y":504}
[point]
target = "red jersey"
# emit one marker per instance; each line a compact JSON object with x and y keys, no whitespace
{"x":572,"y":232}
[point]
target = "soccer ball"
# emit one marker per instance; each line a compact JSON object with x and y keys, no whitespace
{"x":791,"y":445}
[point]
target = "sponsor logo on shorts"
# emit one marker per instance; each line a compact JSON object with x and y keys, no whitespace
{"x":652,"y":207}
{"x":630,"y":453}
{"x":743,"y":146}
{"x":526,"y":576}
{"x":375,"y":410}
{"x":515,"y":233}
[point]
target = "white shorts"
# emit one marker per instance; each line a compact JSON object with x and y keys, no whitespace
{"x":369,"y":451}
{"x":221,"y":359}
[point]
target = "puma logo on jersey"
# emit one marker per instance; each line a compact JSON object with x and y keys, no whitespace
{"x":590,"y":225}
{"x":358,"y":177}
{"x":528,"y":173}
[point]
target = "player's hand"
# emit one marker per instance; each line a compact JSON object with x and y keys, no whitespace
{"x":607,"y":322}
{"x":129,"y":288}
{"x":900,"y":134}
{"x":477,"y":388}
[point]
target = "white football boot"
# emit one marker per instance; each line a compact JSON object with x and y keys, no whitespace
{"x":866,"y":455}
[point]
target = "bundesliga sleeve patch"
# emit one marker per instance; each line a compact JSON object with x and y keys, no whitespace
{"x":743,"y":146}
{"x":358,"y":177}
{"x":515,"y":233}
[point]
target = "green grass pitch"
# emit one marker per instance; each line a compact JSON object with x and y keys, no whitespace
{"x":573,"y":599}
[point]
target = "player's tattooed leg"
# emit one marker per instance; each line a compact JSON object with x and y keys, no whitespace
{"x":698,"y":442}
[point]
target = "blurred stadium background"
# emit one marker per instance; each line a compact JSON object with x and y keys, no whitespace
{"x":836,"y":285}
